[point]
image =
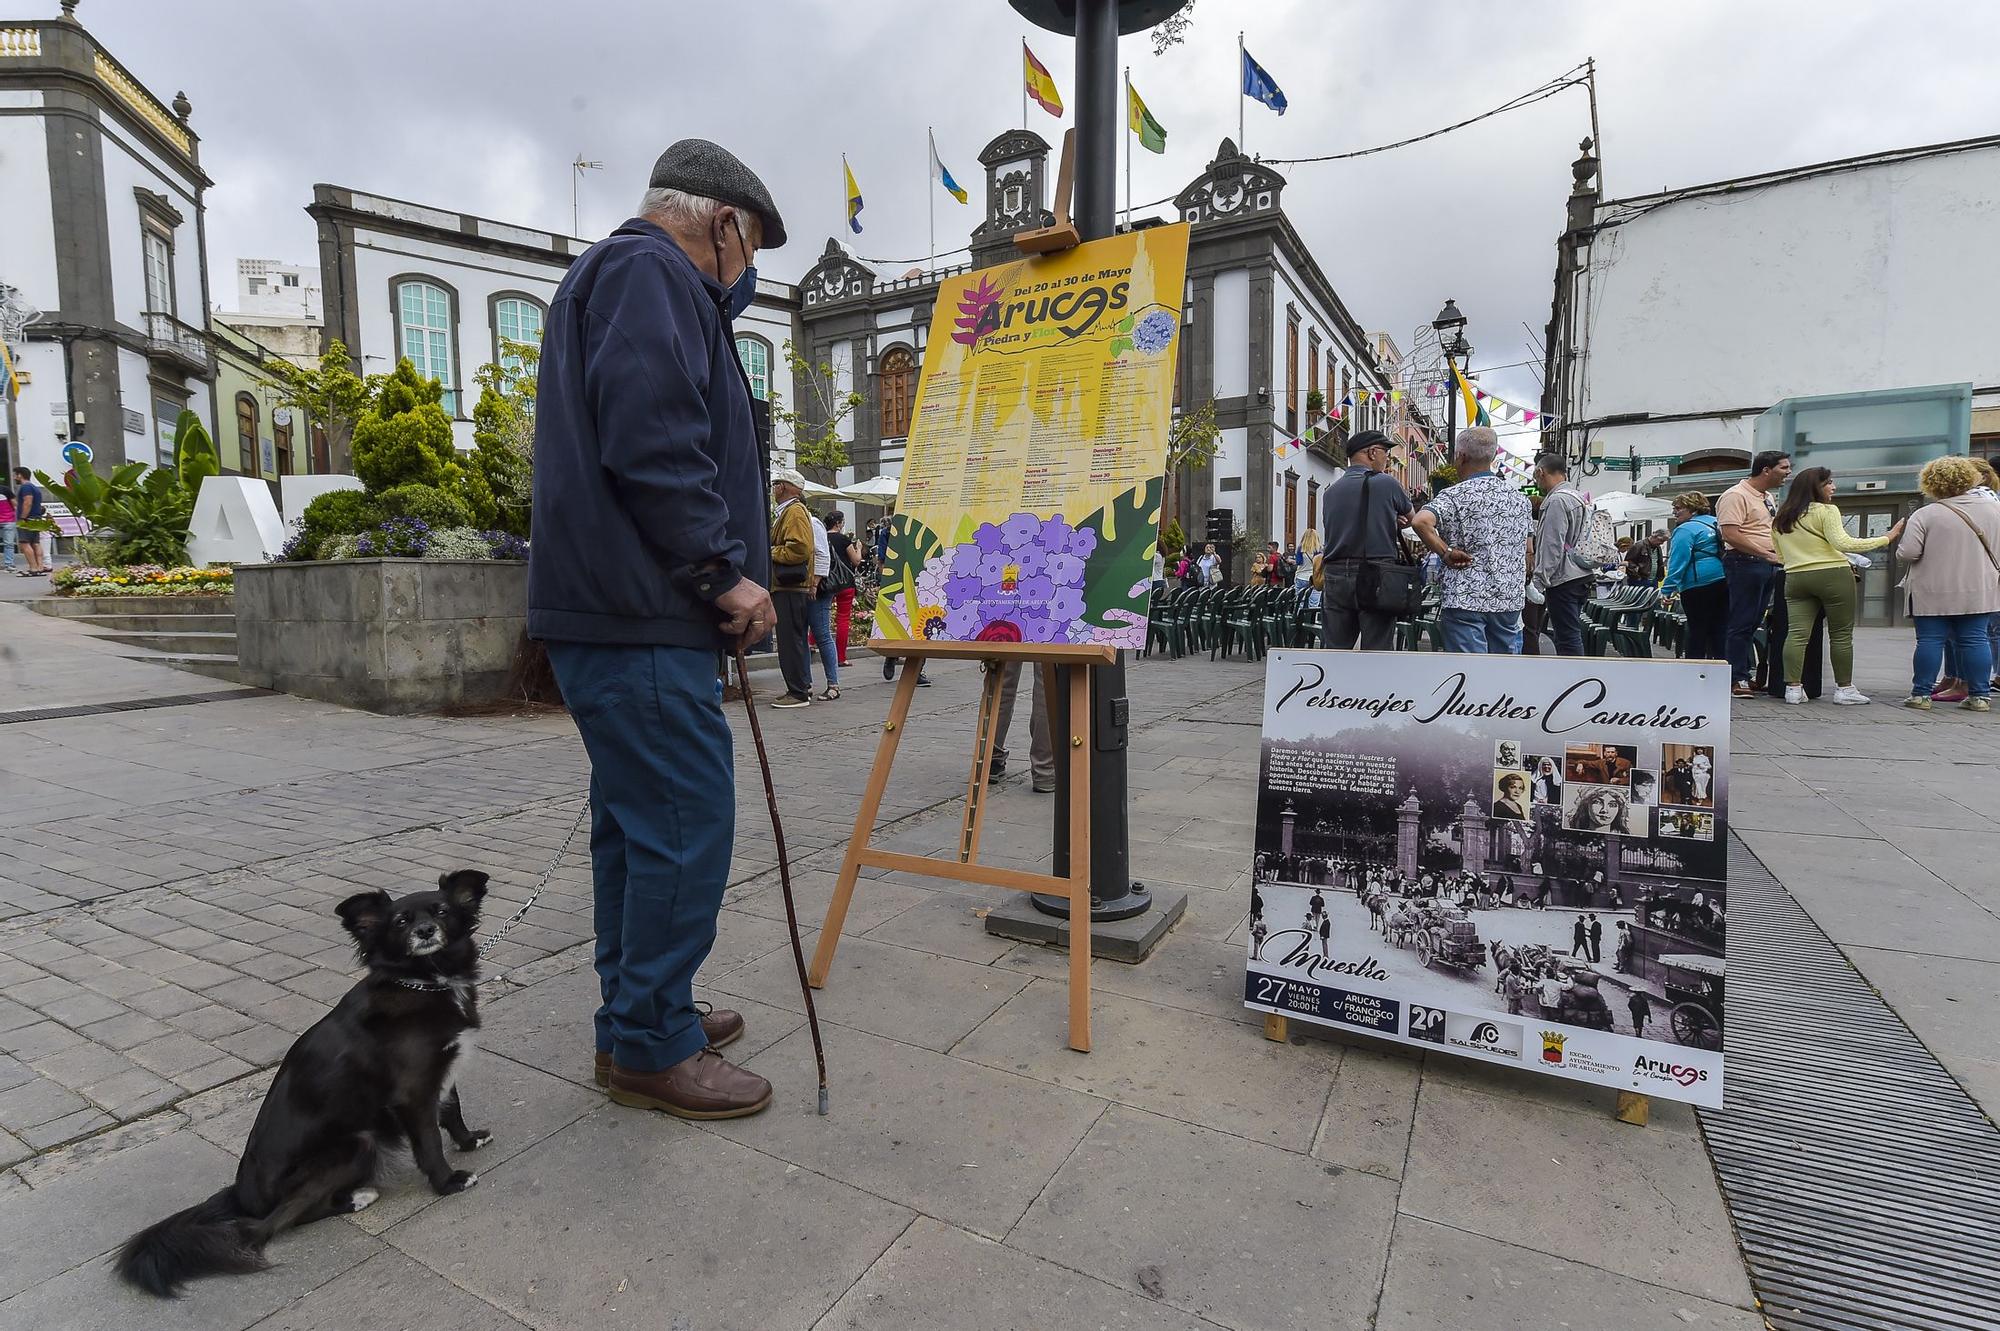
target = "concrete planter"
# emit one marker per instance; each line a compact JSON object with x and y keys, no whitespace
{"x":388,"y":635}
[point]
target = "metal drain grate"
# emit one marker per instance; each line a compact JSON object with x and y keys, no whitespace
{"x":1864,"y":1182}
{"x":130,"y":705}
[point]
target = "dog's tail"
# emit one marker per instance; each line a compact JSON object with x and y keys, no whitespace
{"x":210,"y":1238}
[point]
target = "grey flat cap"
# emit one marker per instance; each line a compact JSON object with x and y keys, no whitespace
{"x":696,"y":166}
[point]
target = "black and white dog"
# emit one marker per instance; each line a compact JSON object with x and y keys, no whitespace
{"x":376,"y":1071}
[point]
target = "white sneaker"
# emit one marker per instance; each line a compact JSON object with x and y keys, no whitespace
{"x":1794,"y":694}
{"x":1849,"y":696}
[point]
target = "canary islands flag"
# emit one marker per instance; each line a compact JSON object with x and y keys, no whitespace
{"x":1475,"y":410}
{"x":1041,"y":86}
{"x":1258,"y":84}
{"x":853,"y":197}
{"x":1140,"y":121}
{"x":942,"y":176}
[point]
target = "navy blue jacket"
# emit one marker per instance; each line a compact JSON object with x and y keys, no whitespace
{"x":646,"y":457}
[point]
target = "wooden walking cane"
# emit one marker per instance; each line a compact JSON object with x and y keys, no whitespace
{"x":784,"y":867}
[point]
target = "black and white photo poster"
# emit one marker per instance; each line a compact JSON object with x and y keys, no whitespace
{"x":1516,"y":859}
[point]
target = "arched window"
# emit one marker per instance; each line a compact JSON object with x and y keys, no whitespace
{"x":281,"y":444}
{"x":899,"y":391}
{"x":755,"y":353}
{"x":515,"y":319}
{"x":246,"y":435}
{"x":424,"y":334}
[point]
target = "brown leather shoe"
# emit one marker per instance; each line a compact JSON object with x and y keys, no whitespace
{"x":721,"y":1028}
{"x":705,"y":1086}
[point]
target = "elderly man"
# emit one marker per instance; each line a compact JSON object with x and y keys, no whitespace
{"x":1561,"y":575}
{"x":1363,"y":515}
{"x":648,"y":561}
{"x":1480,"y":528}
{"x":792,"y":583}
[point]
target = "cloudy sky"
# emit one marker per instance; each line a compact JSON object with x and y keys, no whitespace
{"x":480,"y":106}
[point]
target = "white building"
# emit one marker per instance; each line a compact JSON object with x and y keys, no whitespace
{"x":1693,"y":314}
{"x":271,"y":288}
{"x":445,"y":290}
{"x":101,"y":194}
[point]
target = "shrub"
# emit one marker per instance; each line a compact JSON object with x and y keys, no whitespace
{"x":337,"y":513}
{"x":458,"y":543}
{"x":505,"y":545}
{"x":398,"y":538}
{"x":404,"y":437}
{"x":1172,"y":539}
{"x":428,"y":504}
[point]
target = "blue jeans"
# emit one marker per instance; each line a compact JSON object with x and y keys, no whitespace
{"x":1971,"y":649}
{"x":819,"y":613}
{"x":1488,"y":632}
{"x":1749,"y":593}
{"x":1565,"y":614}
{"x":662,"y":819}
{"x":9,"y":536}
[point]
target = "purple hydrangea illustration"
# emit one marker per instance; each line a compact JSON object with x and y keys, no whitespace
{"x":1019,"y":580}
{"x":1154,"y":332}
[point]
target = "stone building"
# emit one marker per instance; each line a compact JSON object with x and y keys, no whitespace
{"x":101,"y":188}
{"x":1264,"y":329}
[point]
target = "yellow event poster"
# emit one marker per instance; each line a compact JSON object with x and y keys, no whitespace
{"x":1030,"y":500}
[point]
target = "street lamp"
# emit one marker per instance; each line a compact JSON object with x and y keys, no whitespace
{"x":1450,"y":325}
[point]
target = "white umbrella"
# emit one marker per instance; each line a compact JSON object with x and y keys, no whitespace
{"x":875,"y":487}
{"x":1623,"y":507}
{"x":814,"y":490}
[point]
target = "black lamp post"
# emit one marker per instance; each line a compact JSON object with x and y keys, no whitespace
{"x":1097,"y":25}
{"x":1450,"y":325}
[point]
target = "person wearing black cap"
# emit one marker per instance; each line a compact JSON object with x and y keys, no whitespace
{"x":1363,"y":516}
{"x":650,"y":558}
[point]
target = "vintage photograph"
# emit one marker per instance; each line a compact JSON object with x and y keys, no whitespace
{"x":1687,"y":824}
{"x":1605,"y":810}
{"x":1687,"y":775}
{"x":1645,"y":787}
{"x":1507,"y":753}
{"x":1510,"y":796}
{"x":1545,"y":783}
{"x":1599,"y":764}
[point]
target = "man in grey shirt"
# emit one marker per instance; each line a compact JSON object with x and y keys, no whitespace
{"x":1363,"y":517}
{"x":1563,"y":580}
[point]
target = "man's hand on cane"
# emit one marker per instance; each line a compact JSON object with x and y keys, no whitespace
{"x":747,"y":614}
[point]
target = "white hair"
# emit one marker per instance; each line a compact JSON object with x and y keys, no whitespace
{"x":678,"y":208}
{"x":1476,"y":444}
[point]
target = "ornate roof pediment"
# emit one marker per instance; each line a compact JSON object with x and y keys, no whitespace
{"x":1233,"y":186}
{"x":837,"y":276}
{"x":1012,"y":146}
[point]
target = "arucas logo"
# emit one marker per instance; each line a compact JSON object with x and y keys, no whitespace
{"x":1552,"y":1046}
{"x":1665,"y":1071}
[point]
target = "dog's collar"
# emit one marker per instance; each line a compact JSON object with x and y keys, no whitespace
{"x":423,"y":986}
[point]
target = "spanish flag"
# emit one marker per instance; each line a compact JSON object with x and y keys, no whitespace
{"x":853,"y":197}
{"x":1041,"y":86}
{"x":1140,"y":121}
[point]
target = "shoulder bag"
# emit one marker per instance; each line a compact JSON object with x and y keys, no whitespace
{"x":1982,"y":538}
{"x":1389,"y":589}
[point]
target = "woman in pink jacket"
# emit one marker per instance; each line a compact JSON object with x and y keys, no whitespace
{"x":1952,"y":550}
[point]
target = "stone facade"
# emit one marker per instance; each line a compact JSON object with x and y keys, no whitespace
{"x":388,"y":635}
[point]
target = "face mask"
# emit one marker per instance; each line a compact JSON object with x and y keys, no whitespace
{"x":744,"y":289}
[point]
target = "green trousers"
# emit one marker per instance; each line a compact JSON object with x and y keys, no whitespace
{"x":1831,"y":590}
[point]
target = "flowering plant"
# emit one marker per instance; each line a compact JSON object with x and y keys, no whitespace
{"x":1021,"y":580}
{"x":141,"y":580}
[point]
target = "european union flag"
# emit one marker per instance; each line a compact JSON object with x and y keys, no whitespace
{"x":1258,"y":84}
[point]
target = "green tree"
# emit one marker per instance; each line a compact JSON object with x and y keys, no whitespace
{"x":194,"y":452}
{"x":815,"y":426}
{"x":499,"y":474}
{"x":1442,"y":476}
{"x":1192,"y":441}
{"x":404,"y":437}
{"x":331,"y":394}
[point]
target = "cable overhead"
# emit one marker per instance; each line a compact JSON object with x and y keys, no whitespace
{"x":1569,"y":78}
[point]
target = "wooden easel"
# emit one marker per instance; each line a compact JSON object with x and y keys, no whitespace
{"x":1056,"y":660}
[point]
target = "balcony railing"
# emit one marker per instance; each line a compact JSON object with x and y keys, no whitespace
{"x":175,"y":343}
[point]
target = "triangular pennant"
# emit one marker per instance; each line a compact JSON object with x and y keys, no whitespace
{"x":1527,"y":417}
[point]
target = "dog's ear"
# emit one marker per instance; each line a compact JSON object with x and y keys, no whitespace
{"x":463,"y":888}
{"x":364,"y":912}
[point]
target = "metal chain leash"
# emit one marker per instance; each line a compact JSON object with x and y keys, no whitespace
{"x":493,"y":938}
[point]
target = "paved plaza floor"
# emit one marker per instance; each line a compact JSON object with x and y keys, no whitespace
{"x":166,"y":930}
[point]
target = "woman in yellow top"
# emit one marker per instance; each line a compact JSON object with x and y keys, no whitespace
{"x":1818,"y":578}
